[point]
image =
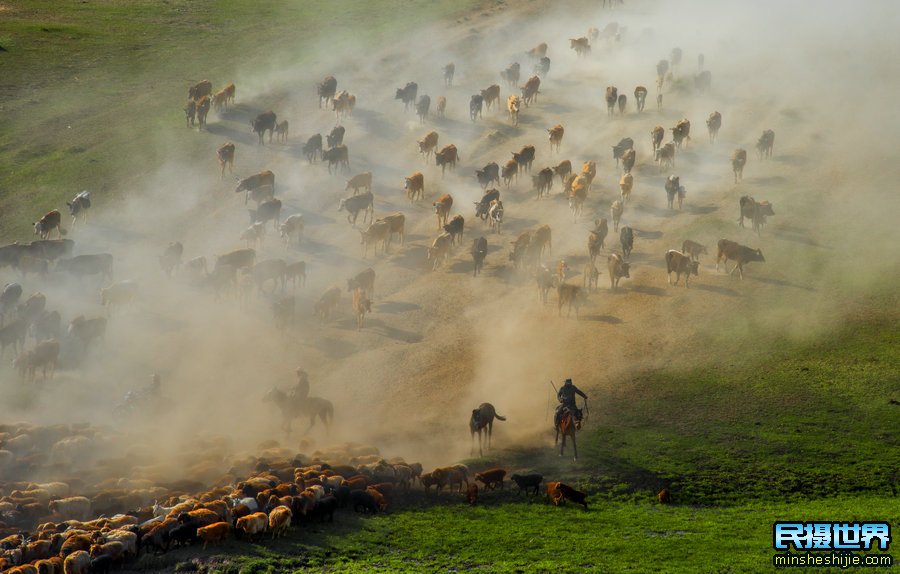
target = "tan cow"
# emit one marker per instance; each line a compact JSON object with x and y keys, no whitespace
{"x":617,"y":268}
{"x":377,"y":232}
{"x":615,"y":212}
{"x":397,"y":223}
{"x":362,"y":180}
{"x":626,"y":184}
{"x":441,"y":106}
{"x":361,"y":306}
{"x":512,"y":105}
{"x":591,"y":276}
{"x":439,"y":250}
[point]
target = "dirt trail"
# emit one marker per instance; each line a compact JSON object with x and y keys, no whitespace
{"x":439,"y":343}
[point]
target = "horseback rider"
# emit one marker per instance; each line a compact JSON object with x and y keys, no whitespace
{"x":300,"y":391}
{"x":566,"y":397}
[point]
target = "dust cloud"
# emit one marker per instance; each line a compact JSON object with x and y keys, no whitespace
{"x":440,"y":342}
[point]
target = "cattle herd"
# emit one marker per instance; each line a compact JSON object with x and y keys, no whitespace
{"x":85,"y":525}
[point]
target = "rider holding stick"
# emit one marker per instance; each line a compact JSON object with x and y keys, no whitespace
{"x":566,"y":397}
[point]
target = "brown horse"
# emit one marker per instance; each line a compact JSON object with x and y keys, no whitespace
{"x":297,"y":407}
{"x":483,"y":420}
{"x":568,"y":425}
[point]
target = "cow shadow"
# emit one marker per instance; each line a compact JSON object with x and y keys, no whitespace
{"x":768,"y":180}
{"x":375,"y":122}
{"x":701,"y":209}
{"x":225,"y":131}
{"x":379,"y":327}
{"x":796,"y":238}
{"x":716,"y":289}
{"x":394,"y":307}
{"x":644,"y":234}
{"x":414,"y":258}
{"x":791,"y":159}
{"x":782,"y":283}
{"x":650,"y":290}
{"x":602,"y":319}
{"x":334,"y":347}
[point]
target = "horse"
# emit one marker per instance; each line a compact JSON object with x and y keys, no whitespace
{"x":483,"y":420}
{"x":295,"y":407}
{"x":568,"y":425}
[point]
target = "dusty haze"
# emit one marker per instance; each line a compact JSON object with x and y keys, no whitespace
{"x":439,"y":343}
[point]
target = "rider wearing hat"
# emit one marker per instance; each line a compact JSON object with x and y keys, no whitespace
{"x":566,"y":396}
{"x":300,"y":391}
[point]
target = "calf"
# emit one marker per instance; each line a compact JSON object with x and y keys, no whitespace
{"x":618,"y":269}
{"x":740,"y":254}
{"x":526,"y":482}
{"x":281,"y":130}
{"x":678,"y":263}
{"x":354,"y":204}
{"x":479,"y":252}
{"x":442,"y":209}
{"x":190,"y":113}
{"x":693,"y":249}
{"x":556,"y":136}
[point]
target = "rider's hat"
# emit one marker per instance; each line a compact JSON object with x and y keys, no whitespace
{"x":568,"y":381}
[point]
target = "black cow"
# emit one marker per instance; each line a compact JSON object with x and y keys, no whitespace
{"x":422,"y":107}
{"x":482,"y":207}
{"x":626,"y":238}
{"x":337,"y":157}
{"x":407,"y":94}
{"x":313,"y":146}
{"x":335,"y":138}
{"x":476,"y":103}
{"x":264,"y":122}
{"x":268,"y":210}
{"x":490,"y":173}
{"x":525,"y":157}
{"x":479,"y":252}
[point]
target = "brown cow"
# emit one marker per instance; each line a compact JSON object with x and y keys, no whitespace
{"x":441,"y":106}
{"x":442,"y":209}
{"x":578,"y":195}
{"x":203,"y":105}
{"x":656,"y":136}
{"x":640,"y":97}
{"x":542,"y":239}
{"x":738,"y":161}
{"x":200,"y":90}
{"x":491,"y":478}
{"x":225,"y":155}
{"x":563,"y":170}
{"x":491,"y":96}
{"x":626,"y":184}
{"x":558,"y":492}
{"x":427,"y":145}
{"x":281,"y":131}
{"x":530,"y":90}
{"x":45,"y":355}
{"x":510,"y":171}
{"x":582,"y":46}
{"x":681,"y":133}
{"x":571,"y":295}
{"x":50,"y":221}
{"x":415,"y":185}
{"x":364,"y":280}
{"x":446,"y":157}
{"x":556,"y":136}
{"x":519,"y":248}
{"x":713,"y":124}
{"x":254,"y":182}
{"x":538,"y":51}
{"x":543,"y":181}
{"x":328,"y":303}
{"x":665,"y":156}
{"x":590,"y":278}
{"x":740,"y":254}
{"x":618,"y":269}
{"x":678,"y":263}
{"x":455,"y":228}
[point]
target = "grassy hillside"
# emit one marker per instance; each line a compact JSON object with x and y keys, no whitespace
{"x":85,"y":86}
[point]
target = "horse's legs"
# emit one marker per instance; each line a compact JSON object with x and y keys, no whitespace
{"x":472,"y":444}
{"x":490,"y":433}
{"x":562,"y":447}
{"x":556,"y":442}
{"x":312,"y":423}
{"x":575,"y":448}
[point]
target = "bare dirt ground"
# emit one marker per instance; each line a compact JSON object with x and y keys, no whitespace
{"x":440,"y":342}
